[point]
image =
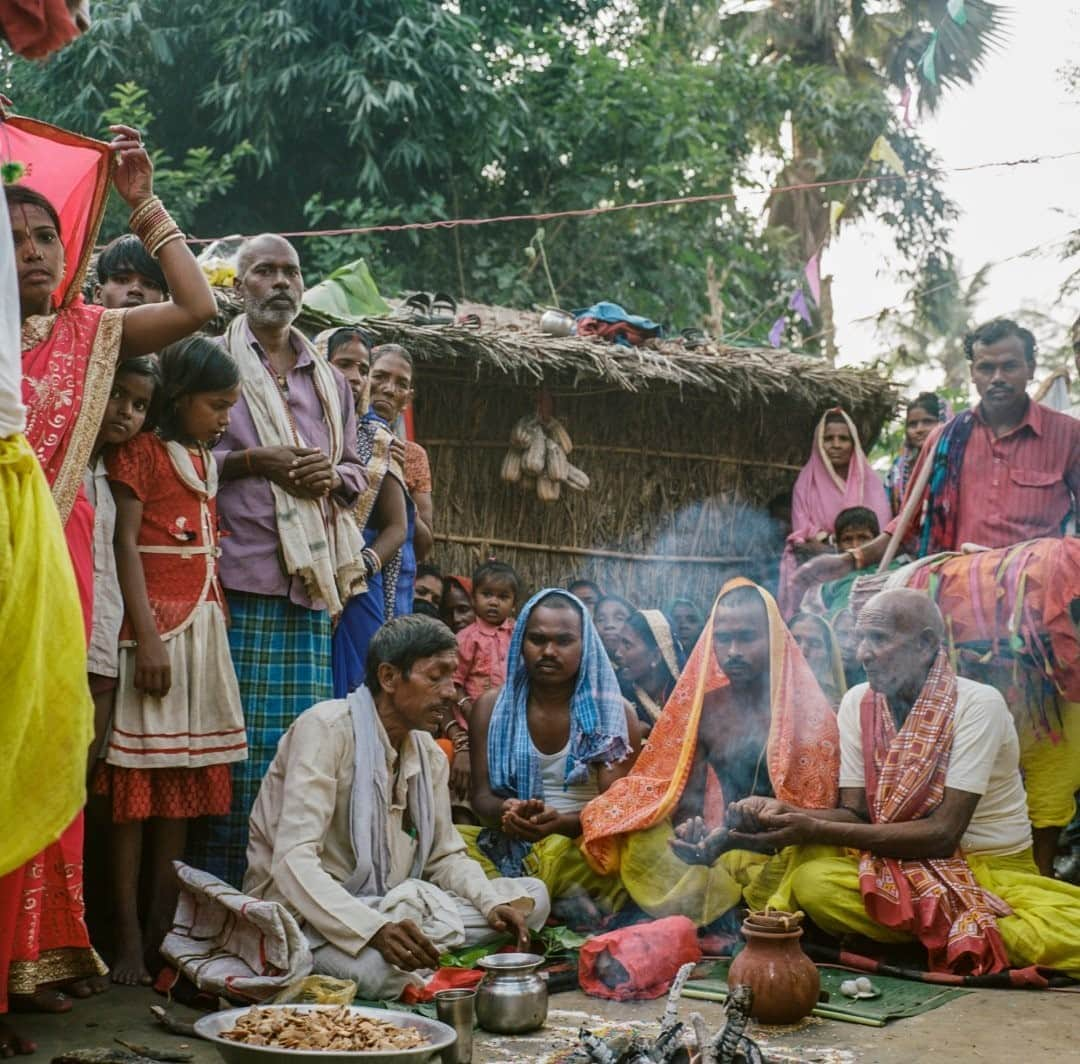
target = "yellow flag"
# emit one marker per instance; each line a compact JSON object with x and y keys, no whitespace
{"x":836,"y":210}
{"x":883,"y":152}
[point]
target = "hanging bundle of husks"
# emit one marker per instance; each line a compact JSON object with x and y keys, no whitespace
{"x":538,"y":458}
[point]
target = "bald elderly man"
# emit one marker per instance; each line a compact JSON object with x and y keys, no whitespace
{"x":291,"y":552}
{"x":930,"y":793}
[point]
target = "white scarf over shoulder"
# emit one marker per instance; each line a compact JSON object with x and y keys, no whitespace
{"x":320,"y":540}
{"x":369,"y":804}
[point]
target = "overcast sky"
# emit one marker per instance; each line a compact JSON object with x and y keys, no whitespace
{"x":1019,"y":107}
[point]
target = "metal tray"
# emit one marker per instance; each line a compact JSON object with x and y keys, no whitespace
{"x":439,"y":1035}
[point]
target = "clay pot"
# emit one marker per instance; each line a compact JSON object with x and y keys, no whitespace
{"x":784,"y":980}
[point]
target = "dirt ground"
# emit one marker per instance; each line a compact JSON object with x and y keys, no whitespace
{"x":983,"y":1027}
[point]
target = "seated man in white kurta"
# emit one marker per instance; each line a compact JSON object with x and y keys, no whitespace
{"x":351,"y":829}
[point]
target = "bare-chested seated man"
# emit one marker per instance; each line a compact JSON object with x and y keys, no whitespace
{"x":746,"y":718}
{"x":930,"y":792}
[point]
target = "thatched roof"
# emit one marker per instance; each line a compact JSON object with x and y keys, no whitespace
{"x":685,"y":449}
{"x":510,"y":343}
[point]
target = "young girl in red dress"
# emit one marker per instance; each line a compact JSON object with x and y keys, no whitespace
{"x":177,"y":723}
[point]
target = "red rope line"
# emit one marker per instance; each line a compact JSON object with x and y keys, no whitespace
{"x":679,"y":201}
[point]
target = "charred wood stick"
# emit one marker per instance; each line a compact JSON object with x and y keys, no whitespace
{"x":167,"y":1056}
{"x":599,"y":1052}
{"x":172,"y":1024}
{"x":100,"y":1056}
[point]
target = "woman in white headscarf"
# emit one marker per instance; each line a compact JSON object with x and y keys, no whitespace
{"x":649,"y":659}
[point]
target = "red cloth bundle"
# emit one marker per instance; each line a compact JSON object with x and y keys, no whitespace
{"x":34,"y":28}
{"x":613,"y":331}
{"x":443,"y":979}
{"x":641,"y":961}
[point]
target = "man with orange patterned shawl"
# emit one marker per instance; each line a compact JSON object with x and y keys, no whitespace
{"x":746,"y":718}
{"x":930,"y":793}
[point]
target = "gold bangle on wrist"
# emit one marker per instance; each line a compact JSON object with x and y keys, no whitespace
{"x":175,"y":235}
{"x":142,"y":210}
{"x":153,"y":225}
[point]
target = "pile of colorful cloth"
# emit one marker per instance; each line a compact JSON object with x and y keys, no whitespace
{"x":610,"y":322}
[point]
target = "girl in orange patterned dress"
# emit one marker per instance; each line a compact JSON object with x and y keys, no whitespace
{"x":177,"y":723}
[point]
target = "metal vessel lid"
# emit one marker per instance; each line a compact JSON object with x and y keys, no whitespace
{"x":510,"y":962}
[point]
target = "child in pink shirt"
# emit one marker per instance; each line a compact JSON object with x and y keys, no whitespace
{"x":483,"y":648}
{"x":484,"y":644}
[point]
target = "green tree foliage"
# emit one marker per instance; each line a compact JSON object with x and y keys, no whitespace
{"x":852,"y":52}
{"x":928,"y":328}
{"x":874,"y":42}
{"x":201,"y":175}
{"x":337,"y":114}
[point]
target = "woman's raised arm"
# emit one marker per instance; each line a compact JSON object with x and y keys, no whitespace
{"x":191,"y":304}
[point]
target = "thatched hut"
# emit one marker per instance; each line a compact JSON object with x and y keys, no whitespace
{"x":684,"y":449}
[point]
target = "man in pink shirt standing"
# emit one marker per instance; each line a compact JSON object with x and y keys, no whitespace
{"x":1005,"y":472}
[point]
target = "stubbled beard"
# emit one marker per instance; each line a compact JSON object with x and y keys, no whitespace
{"x":264,"y":315}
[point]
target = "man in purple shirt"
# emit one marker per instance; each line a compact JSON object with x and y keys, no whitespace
{"x":290,"y":448}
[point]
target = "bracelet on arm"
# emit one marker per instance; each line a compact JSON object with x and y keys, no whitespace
{"x":372,"y":562}
{"x":154,"y":226}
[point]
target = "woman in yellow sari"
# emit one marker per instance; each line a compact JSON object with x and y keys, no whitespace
{"x":69,"y":356}
{"x":746,"y":717}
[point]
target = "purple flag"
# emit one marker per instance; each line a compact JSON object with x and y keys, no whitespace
{"x":813,"y":276}
{"x":797,"y":303}
{"x":776,"y":333}
{"x":905,"y":103}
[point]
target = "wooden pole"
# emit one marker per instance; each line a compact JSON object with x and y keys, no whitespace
{"x":591,"y":552}
{"x":914,"y":501}
{"x":603,"y":448}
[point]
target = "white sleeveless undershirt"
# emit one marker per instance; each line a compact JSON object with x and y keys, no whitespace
{"x":564,"y":799}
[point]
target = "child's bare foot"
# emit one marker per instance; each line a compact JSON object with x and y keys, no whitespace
{"x":44,"y":999}
{"x":13,"y":1044}
{"x":84,"y":988}
{"x":128,"y":967}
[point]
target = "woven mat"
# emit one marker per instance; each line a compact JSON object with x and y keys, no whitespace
{"x":899,"y":997}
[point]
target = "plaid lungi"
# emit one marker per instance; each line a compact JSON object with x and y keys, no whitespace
{"x":281,"y":654}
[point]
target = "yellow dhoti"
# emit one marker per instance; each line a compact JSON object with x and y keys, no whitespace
{"x":1044,"y":927}
{"x":560,"y":865}
{"x":627,"y":828}
{"x":665,"y":886}
{"x":1051,"y":769}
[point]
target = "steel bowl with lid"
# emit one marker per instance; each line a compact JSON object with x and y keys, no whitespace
{"x":439,"y":1036}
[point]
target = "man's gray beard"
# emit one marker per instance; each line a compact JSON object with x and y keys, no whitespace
{"x":272,"y":316}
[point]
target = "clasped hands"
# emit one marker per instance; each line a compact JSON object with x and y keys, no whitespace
{"x":761,"y":823}
{"x":528,"y":819}
{"x":301,"y":471}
